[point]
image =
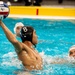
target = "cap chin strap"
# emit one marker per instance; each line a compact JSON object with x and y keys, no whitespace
{"x":33,"y":44}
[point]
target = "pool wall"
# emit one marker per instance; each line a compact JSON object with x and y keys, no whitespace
{"x":43,"y":11}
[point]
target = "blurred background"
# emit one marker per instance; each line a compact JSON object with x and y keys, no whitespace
{"x":40,"y":2}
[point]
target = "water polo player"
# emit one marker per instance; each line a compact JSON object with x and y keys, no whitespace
{"x":72,"y":52}
{"x":26,"y":53}
{"x":17,"y":28}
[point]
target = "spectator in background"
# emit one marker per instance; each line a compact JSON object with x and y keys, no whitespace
{"x":8,"y":2}
{"x":60,"y":1}
{"x":35,"y":2}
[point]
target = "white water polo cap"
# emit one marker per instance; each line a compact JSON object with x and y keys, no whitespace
{"x":72,"y":47}
{"x":18,"y":24}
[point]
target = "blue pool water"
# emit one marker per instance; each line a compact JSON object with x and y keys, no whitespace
{"x":55,"y":38}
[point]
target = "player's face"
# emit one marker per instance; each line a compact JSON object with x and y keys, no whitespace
{"x":34,"y":38}
{"x":18,"y":28}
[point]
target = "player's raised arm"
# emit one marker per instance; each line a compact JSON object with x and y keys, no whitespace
{"x":10,"y":36}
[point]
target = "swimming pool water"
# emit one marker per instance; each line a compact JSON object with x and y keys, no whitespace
{"x":55,"y":38}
